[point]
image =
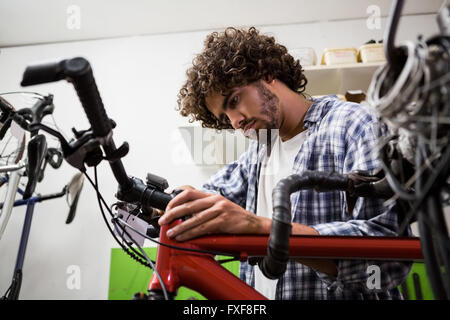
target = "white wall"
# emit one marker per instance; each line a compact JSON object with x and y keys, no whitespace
{"x":138,"y":78}
{"x":74,"y":20}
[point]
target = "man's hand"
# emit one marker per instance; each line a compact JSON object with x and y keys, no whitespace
{"x":211,"y":214}
{"x":185,"y":187}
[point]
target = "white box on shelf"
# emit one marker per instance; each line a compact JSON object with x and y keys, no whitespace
{"x":307,"y":56}
{"x":335,"y":56}
{"x":373,"y":52}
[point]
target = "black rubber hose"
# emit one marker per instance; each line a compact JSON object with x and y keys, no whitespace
{"x":274,"y":264}
{"x":436,"y":233}
{"x":431,"y":260}
{"x":426,"y":215}
{"x":442,"y":238}
{"x":391,"y":31}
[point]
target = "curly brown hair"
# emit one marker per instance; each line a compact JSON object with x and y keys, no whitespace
{"x":230,"y":59}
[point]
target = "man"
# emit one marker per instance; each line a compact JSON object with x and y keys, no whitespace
{"x":245,"y":80}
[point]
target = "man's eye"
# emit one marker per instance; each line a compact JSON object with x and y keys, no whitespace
{"x":234,"y":101}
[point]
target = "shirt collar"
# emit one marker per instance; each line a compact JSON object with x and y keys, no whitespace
{"x":317,"y":110}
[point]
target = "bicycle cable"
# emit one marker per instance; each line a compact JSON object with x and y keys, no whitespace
{"x":135,"y":256}
{"x":139,"y":257}
{"x":156,"y":241}
{"x":149,"y":263}
{"x":163,"y":287}
{"x":175,"y":247}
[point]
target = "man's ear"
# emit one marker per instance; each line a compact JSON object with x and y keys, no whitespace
{"x":270,"y":80}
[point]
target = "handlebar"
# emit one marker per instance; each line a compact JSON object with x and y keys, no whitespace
{"x":274,"y":264}
{"x":79,"y":72}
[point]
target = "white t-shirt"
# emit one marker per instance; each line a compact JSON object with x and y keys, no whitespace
{"x":274,"y":168}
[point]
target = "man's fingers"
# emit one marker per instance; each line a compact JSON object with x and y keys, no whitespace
{"x":200,"y":224}
{"x":185,"y":187}
{"x":187,"y":202}
{"x":187,"y":208}
{"x":184,"y":196}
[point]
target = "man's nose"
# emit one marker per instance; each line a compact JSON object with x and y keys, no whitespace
{"x":237,"y":119}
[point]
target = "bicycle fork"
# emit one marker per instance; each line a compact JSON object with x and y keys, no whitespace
{"x":17,"y":275}
{"x":13,"y":185}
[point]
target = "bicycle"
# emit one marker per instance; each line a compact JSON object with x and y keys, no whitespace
{"x":39,"y":155}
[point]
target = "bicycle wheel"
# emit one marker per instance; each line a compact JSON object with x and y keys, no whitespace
{"x":12,"y":137}
{"x":12,"y":153}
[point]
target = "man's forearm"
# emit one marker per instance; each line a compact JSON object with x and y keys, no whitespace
{"x":322,"y":265}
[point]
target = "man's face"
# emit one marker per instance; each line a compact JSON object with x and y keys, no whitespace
{"x":252,"y":107}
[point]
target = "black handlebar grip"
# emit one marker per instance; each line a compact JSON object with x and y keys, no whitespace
{"x":79,"y":72}
{"x":274,"y":264}
{"x":42,"y":73}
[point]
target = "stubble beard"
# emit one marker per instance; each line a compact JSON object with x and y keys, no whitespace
{"x":269,"y":109}
{"x":269,"y":103}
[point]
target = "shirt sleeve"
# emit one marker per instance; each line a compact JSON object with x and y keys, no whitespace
{"x":231,"y":181}
{"x":370,"y":217}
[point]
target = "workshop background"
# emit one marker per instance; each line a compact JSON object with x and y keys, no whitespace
{"x":139,"y":51}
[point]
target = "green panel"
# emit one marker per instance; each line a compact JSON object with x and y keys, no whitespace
{"x":128,"y":277}
{"x":418,"y":271}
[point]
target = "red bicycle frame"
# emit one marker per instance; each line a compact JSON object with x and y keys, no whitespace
{"x":202,"y":273}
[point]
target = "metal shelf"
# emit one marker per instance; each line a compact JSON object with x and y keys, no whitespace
{"x":337,"y":79}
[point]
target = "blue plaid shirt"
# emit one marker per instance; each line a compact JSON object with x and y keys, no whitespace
{"x":341,"y":137}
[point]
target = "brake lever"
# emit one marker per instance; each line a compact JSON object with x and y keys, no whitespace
{"x":51,"y":153}
{"x":364,"y":184}
{"x":36,"y":156}
{"x":85,"y":149}
{"x":42,"y":108}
